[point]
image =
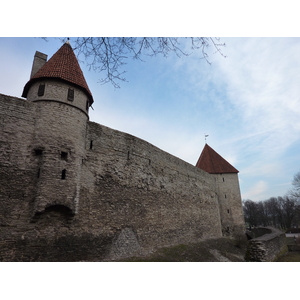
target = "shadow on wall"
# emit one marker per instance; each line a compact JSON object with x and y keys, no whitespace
{"x":55,"y":213}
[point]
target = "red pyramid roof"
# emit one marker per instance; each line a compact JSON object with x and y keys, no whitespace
{"x":62,"y":65}
{"x":212,"y":162}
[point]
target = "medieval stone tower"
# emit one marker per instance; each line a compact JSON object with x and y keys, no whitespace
{"x":227,"y":186}
{"x":62,"y":99}
{"x":73,"y":190}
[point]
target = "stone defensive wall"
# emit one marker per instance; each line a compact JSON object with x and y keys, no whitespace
{"x":133,"y":197}
{"x":268,"y":244}
{"x":133,"y":184}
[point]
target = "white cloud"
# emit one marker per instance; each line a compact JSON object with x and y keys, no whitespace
{"x":257,"y":191}
{"x":263,"y":85}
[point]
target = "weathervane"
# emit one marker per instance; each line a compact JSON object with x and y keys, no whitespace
{"x":205,"y":136}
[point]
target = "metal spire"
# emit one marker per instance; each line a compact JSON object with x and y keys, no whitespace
{"x":205,"y":136}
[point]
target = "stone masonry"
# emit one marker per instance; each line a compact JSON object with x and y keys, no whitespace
{"x":267,"y":247}
{"x":75,"y":190}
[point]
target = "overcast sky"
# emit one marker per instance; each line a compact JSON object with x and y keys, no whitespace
{"x":248,"y":103}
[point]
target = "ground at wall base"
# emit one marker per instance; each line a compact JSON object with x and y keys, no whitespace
{"x":292,"y":255}
{"x":289,"y":257}
{"x":213,"y":250}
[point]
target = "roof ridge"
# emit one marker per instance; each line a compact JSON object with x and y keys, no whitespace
{"x":209,"y":154}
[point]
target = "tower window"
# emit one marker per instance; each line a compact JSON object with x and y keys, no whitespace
{"x":63,"y":174}
{"x":64,"y":155}
{"x":70,"y":94}
{"x":91,"y":144}
{"x":38,"y":152}
{"x":228,"y":210}
{"x":41,"y":90}
{"x":223,"y":179}
{"x":87,"y":105}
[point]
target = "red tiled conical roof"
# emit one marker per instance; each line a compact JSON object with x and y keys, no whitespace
{"x":62,"y":65}
{"x":212,"y":162}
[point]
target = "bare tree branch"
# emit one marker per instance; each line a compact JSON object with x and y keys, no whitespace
{"x":110,"y":54}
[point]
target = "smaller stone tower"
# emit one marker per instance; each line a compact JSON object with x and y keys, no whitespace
{"x":61,"y":99}
{"x":228,"y":190}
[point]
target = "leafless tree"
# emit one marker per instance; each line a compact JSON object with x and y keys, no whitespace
{"x":296,"y":184}
{"x":290,"y":211}
{"x":294,"y":193}
{"x":108,"y":55}
{"x":280,"y":212}
{"x":250,"y":209}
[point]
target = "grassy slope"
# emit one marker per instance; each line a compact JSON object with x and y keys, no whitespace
{"x":289,"y":257}
{"x":223,"y":249}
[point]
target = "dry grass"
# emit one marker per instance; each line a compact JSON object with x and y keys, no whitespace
{"x":290,"y":257}
{"x":216,"y":250}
